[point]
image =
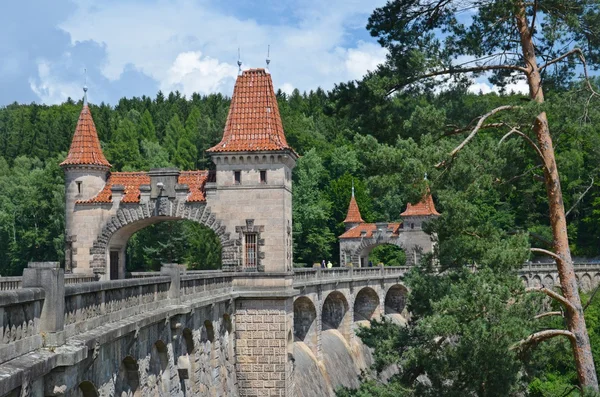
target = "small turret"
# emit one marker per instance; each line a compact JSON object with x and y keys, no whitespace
{"x":353,"y":217}
{"x":86,"y":171}
{"x":416,"y":214}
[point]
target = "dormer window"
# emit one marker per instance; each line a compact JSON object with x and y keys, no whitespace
{"x":237,"y":177}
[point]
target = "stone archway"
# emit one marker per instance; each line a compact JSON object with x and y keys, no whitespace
{"x":130,"y":218}
{"x":335,"y":313}
{"x":395,"y":299}
{"x":128,"y":379}
{"x":305,"y":322}
{"x":87,"y":389}
{"x":366,"y":305}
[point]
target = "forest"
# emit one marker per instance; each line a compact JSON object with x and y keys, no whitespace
{"x":383,"y":134}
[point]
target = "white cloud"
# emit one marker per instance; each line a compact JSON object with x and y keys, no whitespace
{"x":366,"y":57}
{"x":49,"y":88}
{"x":287,"y":88}
{"x":191,"y":73}
{"x":312,"y":45}
{"x":520,"y":87}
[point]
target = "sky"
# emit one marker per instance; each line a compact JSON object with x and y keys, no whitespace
{"x":137,"y":47}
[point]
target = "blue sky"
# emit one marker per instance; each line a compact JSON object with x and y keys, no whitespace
{"x":136,"y":47}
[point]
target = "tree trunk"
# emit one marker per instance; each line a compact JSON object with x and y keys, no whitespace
{"x":582,"y":351}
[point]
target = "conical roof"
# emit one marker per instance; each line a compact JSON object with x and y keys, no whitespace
{"x":253,"y":122}
{"x":85,"y":146}
{"x":425,"y":207}
{"x":353,"y":215}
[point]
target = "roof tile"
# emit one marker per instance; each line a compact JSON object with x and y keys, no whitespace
{"x":132,"y":181}
{"x":85,"y":147}
{"x":253,"y":122}
{"x":353,"y":215}
{"x":425,"y":207}
{"x":366,"y":230}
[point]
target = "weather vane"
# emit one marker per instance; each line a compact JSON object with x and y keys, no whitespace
{"x":239,"y":62}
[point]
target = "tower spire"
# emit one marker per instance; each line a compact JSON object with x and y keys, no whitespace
{"x":352,"y":187}
{"x":85,"y":88}
{"x":239,"y":62}
{"x":268,"y":60}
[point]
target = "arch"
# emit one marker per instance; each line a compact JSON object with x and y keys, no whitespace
{"x":359,"y":254}
{"x":586,"y":282}
{"x":548,"y":281}
{"x":210,"y":331}
{"x":186,"y":363}
{"x":536,"y":281}
{"x":305,"y":325}
{"x":525,"y":281}
{"x":395,"y":299}
{"x":128,"y":379}
{"x":227,"y":324}
{"x":87,"y":389}
{"x":159,"y":368}
{"x":334,"y":314}
{"x":366,"y":305}
{"x":134,"y":217}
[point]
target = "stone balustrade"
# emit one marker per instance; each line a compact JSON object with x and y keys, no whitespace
{"x":89,"y":305}
{"x":20,"y":312}
{"x":311,"y":276}
{"x":10,"y":283}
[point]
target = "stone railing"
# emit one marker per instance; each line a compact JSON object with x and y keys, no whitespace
{"x":303,"y":276}
{"x":195,"y":283}
{"x":20,"y":312}
{"x":90,"y":305}
{"x":10,"y":283}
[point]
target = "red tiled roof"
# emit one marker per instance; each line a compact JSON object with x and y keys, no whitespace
{"x":353,"y":213}
{"x":196,"y":181}
{"x":424,"y":207}
{"x":133,"y":180}
{"x":85,"y":147}
{"x":366,"y":230}
{"x":253,"y":122}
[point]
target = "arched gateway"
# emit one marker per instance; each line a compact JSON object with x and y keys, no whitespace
{"x":246,"y":201}
{"x":360,"y":237}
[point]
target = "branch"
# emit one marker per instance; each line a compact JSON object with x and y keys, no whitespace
{"x":531,"y":143}
{"x":452,"y":70}
{"x":542,"y":336}
{"x":579,"y":199}
{"x":535,"y":8}
{"x":545,"y":252}
{"x":553,"y":295}
{"x":548,"y":314}
{"x":591,"y":297}
{"x":476,"y":129}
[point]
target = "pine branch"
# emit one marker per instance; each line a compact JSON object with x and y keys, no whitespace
{"x":553,"y":295}
{"x":548,"y":314}
{"x":580,"y":197}
{"x":542,"y":336}
{"x":545,"y":252}
{"x":475,"y":130}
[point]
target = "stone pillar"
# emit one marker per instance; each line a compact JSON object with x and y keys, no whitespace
{"x":172,"y":270}
{"x":264,"y":318}
{"x":50,"y":277}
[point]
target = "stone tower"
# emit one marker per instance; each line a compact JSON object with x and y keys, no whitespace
{"x":86,"y":171}
{"x":254,"y":176}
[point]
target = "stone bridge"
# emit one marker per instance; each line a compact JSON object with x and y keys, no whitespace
{"x":178,"y":333}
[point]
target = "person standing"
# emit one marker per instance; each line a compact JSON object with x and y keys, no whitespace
{"x":329,"y":265}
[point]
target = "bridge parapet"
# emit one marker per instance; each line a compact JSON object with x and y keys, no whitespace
{"x":20,"y":312}
{"x":313,"y":276}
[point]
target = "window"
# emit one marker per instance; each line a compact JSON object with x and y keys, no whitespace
{"x":251,"y":253}
{"x":79,"y":187}
{"x":237,"y":177}
{"x":263,"y":176}
{"x":412,"y":225}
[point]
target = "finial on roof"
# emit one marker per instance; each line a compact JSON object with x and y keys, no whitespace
{"x":352,"y":187}
{"x":268,"y":56}
{"x":85,"y":88}
{"x":239,"y":62}
{"x":425,"y":176}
